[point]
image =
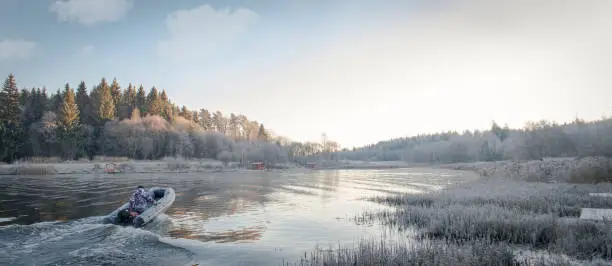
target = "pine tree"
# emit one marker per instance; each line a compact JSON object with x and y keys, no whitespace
{"x":501,"y":133}
{"x":84,"y":103}
{"x":243,"y":124}
{"x":9,"y":101}
{"x":105,"y":108}
{"x":69,"y":111}
{"x":185,"y":113}
{"x":44,"y":98}
{"x":220,"y":122}
{"x":250,"y":129}
{"x":166,"y":111}
{"x":71,"y":142}
{"x":141,"y":100}
{"x":29,"y":109}
{"x":11,"y":133}
{"x":195,"y":117}
{"x":205,"y":119}
{"x":176,"y":111}
{"x":24,"y":96}
{"x":39,"y":100}
{"x":55,"y":101}
{"x":128,"y":103}
{"x":262,"y":135}
{"x":170,"y":110}
{"x":154,"y":106}
{"x":233,"y":125}
{"x":130,"y":96}
{"x":115,"y":91}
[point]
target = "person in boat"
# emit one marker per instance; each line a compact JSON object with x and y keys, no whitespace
{"x":139,"y":201}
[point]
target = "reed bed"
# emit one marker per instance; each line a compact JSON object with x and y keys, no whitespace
{"x":540,"y":216}
{"x":383,"y":252}
{"x":486,"y":222}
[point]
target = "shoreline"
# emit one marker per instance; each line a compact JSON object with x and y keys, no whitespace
{"x":175,"y":165}
{"x":519,"y":212}
{"x":115,"y":167}
{"x":521,"y":221}
{"x":549,"y":170}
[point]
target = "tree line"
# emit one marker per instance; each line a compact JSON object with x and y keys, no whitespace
{"x":132,"y":122}
{"x":537,"y":140}
{"x":140,"y":124}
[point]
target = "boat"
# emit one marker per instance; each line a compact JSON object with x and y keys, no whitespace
{"x":164,"y":197}
{"x":111,"y":168}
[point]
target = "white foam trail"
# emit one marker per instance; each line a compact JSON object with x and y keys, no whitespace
{"x":197,"y":248}
{"x":7,"y":219}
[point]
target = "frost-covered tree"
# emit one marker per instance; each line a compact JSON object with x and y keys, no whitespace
{"x":206,"y":121}
{"x":72,"y":126}
{"x":220,"y":122}
{"x":262,"y":134}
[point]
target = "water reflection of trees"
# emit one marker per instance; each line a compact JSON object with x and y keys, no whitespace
{"x":221,"y":195}
{"x":329,"y":179}
{"x":224,"y":194}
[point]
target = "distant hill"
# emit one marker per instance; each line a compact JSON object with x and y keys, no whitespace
{"x":537,"y":140}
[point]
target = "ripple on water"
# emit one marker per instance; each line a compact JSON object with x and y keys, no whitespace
{"x":253,"y":218}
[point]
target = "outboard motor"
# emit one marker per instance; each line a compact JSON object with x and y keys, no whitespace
{"x":124,"y":217}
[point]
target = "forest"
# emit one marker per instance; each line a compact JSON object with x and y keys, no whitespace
{"x":140,"y":124}
{"x":132,"y":122}
{"x":537,"y":140}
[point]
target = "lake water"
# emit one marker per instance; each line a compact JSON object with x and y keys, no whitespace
{"x":224,"y":218}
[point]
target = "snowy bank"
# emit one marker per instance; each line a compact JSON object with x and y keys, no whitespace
{"x":115,"y":165}
{"x":577,"y":170}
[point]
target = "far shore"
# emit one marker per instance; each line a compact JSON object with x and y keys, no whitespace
{"x":578,"y":170}
{"x":113,"y":165}
{"x":118,"y":165}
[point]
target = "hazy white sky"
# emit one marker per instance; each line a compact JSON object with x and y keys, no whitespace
{"x":361,"y":71}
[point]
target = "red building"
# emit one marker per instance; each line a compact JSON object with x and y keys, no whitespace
{"x":257,"y":166}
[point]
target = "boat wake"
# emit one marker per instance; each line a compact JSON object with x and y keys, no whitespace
{"x":90,"y":242}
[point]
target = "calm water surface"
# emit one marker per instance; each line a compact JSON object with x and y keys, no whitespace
{"x":231,"y":218}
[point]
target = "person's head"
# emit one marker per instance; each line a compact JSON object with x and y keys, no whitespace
{"x":140,"y":187}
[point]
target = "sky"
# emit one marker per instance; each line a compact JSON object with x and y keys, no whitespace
{"x":360,"y":71}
